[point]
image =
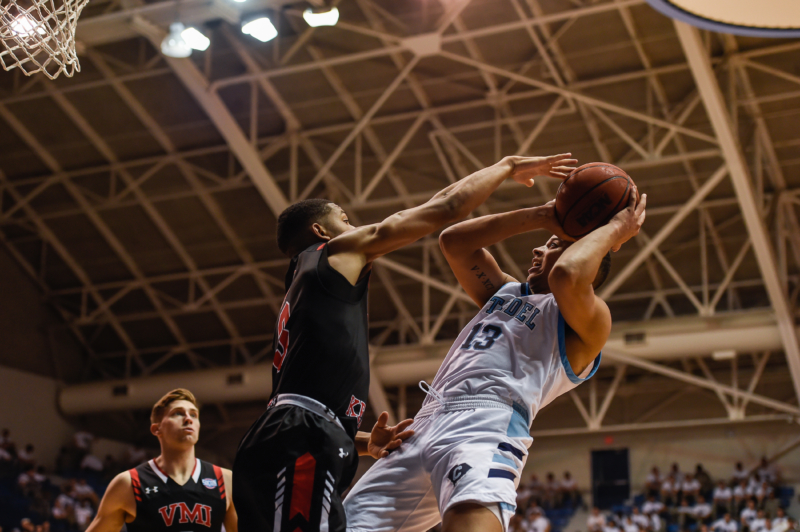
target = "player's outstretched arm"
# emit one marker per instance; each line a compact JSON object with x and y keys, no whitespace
{"x":365,"y":244}
{"x":572,"y":277}
{"x":117,"y":505}
{"x":231,"y":518}
{"x":464,"y":246}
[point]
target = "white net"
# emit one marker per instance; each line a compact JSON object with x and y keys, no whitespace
{"x":39,"y":36}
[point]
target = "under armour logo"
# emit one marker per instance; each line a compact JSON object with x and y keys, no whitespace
{"x":148,"y":490}
{"x":343,"y":453}
{"x":457,"y":472}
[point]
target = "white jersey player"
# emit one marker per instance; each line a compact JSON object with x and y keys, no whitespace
{"x":529,"y":343}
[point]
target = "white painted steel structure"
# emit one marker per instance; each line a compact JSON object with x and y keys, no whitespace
{"x":141,"y":196}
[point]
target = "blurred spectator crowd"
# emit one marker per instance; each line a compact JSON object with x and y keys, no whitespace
{"x":33,"y":499}
{"x":546,"y":505}
{"x":676,"y":501}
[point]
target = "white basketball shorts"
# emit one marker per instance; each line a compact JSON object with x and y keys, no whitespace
{"x":471,"y":449}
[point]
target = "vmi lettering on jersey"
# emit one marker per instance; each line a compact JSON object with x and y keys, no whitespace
{"x":200,"y":514}
{"x":519,"y":309}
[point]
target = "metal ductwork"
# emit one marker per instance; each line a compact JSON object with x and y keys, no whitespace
{"x":406,"y":365}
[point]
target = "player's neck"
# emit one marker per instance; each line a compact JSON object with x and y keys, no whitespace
{"x":177,"y":463}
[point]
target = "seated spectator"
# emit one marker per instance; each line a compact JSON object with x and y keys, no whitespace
{"x":628,"y":525}
{"x":83,"y":440}
{"x":26,"y":482}
{"x":6,"y":442}
{"x":690,"y":488}
{"x":669,"y":491}
{"x":739,"y":474}
{"x":569,"y":493}
{"x":726,"y":524}
{"x":84,"y":492}
{"x":675,"y":472}
{"x":702,"y":476}
{"x":652,"y":506}
{"x":740,"y":496}
{"x":655,"y":523}
{"x":550,"y":491}
{"x":62,"y":460}
{"x":26,"y":525}
{"x":772,"y":504}
{"x":517,"y":523}
{"x":780,"y":523}
{"x":766,"y":471}
{"x":686,"y":516}
{"x":535,"y":486}
{"x":762,"y":492}
{"x":91,"y":463}
{"x":26,"y":457}
{"x":653,"y":482}
{"x":83,"y":515}
{"x":748,"y":514}
{"x":110,"y":468}
{"x":539,"y":523}
{"x":639,"y":519}
{"x":702,"y":510}
{"x":760,"y":522}
{"x":596,"y":521}
{"x":722,"y":498}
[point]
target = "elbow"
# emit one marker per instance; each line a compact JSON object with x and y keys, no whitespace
{"x":447,"y":240}
{"x":562,"y":277}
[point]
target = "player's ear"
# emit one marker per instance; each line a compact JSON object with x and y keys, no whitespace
{"x":155,"y":429}
{"x":320,"y":231}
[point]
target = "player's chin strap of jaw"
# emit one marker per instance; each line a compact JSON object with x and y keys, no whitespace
{"x":431,"y":392}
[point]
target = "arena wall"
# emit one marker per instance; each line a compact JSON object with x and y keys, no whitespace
{"x":29,"y":412}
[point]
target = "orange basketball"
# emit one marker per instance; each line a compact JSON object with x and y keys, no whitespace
{"x":591,"y":196}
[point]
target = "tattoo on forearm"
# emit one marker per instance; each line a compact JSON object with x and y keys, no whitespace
{"x":483,"y":278}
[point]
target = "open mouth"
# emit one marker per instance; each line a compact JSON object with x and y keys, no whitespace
{"x":535,"y":265}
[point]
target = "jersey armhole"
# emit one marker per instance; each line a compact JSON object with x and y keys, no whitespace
{"x":562,"y":350}
{"x":220,"y":481}
{"x":136,"y":484}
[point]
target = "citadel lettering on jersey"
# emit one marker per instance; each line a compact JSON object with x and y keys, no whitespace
{"x":517,"y":308}
{"x":162,"y":505}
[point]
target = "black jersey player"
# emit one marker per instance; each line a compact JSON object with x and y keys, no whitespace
{"x":175,"y":492}
{"x":296,"y":460}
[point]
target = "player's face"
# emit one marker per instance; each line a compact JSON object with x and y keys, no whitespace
{"x":181,"y":424}
{"x":544,"y":258}
{"x":337,"y":222}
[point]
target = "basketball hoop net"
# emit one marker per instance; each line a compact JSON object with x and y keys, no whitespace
{"x":39,"y":36}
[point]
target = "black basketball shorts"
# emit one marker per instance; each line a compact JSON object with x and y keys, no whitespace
{"x":290,"y":471}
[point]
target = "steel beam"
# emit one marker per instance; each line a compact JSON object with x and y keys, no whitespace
{"x":713,"y":100}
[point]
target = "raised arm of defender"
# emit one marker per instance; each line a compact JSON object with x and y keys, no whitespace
{"x":572,"y":277}
{"x":350,"y":252}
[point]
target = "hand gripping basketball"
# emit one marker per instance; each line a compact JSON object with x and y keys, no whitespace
{"x":526,"y":168}
{"x":629,"y":220}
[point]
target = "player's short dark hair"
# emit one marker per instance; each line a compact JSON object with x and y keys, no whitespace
{"x":602,"y":271}
{"x":294,"y":224}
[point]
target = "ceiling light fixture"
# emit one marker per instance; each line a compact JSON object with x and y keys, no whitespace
{"x":316,"y":17}
{"x":25,"y":25}
{"x":195,"y":39}
{"x":174,"y":45}
{"x":261,"y":29}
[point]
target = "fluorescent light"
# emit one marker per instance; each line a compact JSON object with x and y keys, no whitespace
{"x":321,"y":18}
{"x":261,"y":29}
{"x":174,"y":45}
{"x":195,"y":39}
{"x":25,"y":25}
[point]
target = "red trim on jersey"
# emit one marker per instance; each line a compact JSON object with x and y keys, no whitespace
{"x":220,"y":481}
{"x":196,"y":461}
{"x":320,"y":247}
{"x":136,"y":485}
{"x":302,"y":486}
